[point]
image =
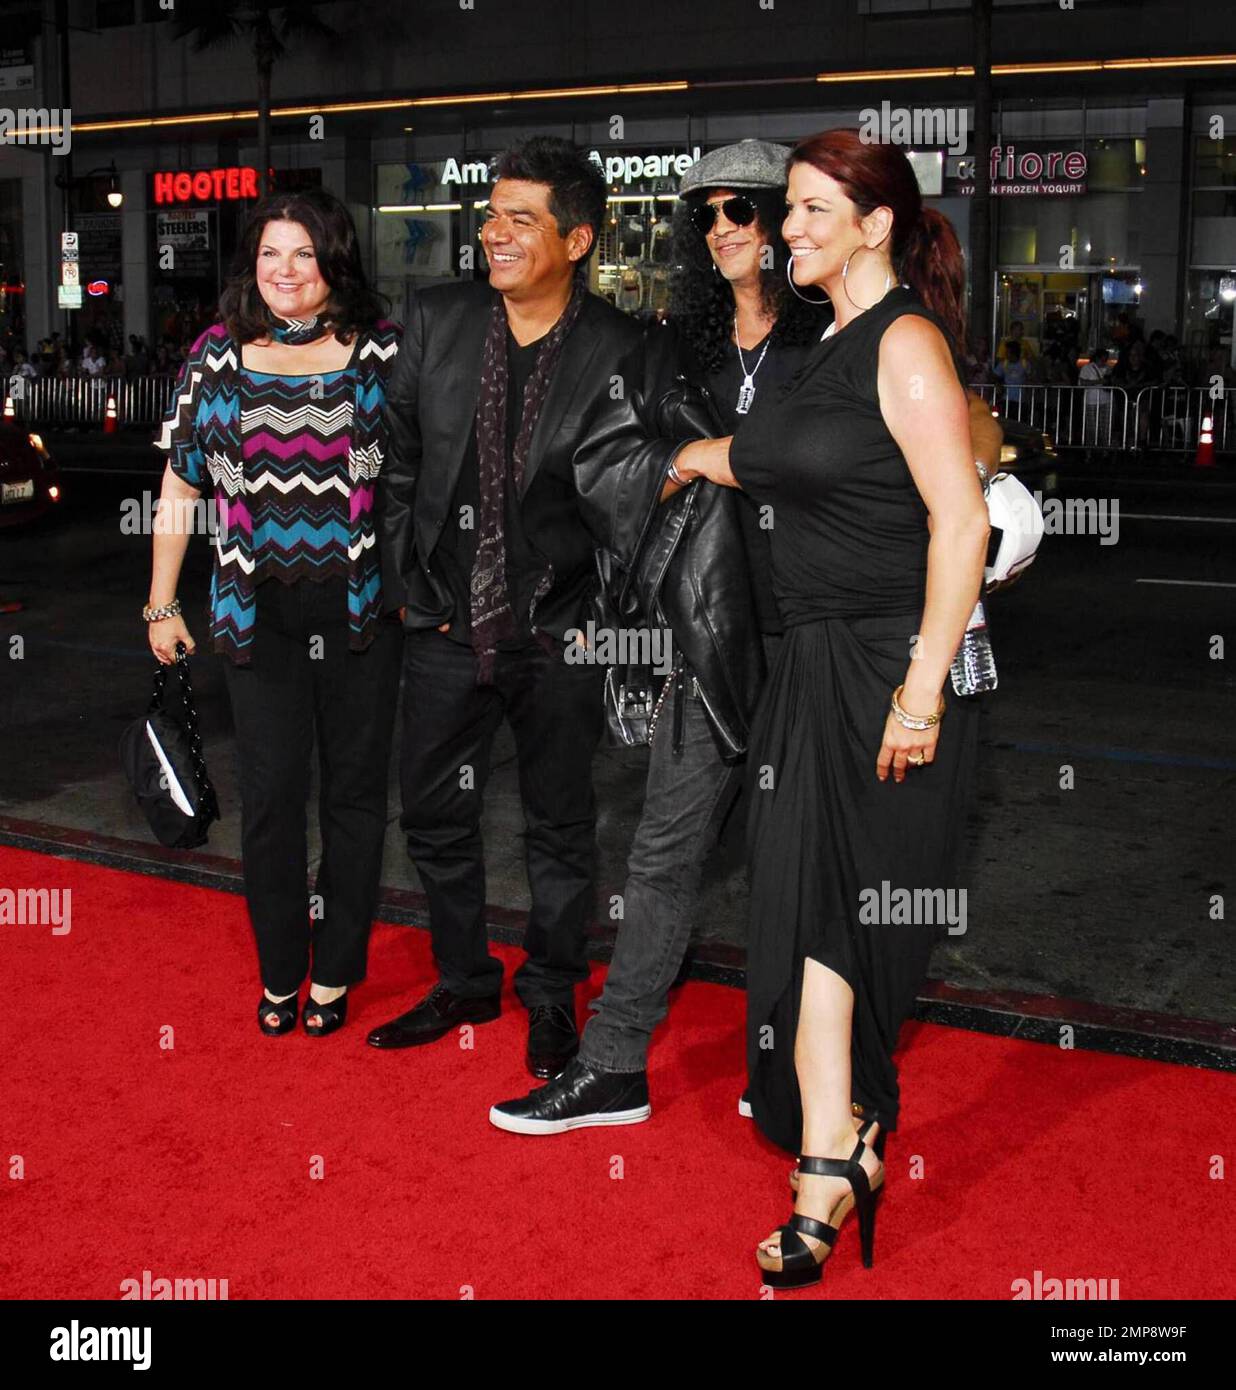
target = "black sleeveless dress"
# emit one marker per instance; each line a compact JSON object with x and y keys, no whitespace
{"x":829,"y":844}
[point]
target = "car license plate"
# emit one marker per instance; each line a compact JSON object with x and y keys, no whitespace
{"x":17,"y":492}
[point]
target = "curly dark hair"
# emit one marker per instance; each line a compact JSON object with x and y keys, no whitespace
{"x":577,"y":190}
{"x":352,"y":306}
{"x":701,"y":300}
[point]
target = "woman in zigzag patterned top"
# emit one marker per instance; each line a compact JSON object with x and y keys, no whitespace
{"x":278,"y":414}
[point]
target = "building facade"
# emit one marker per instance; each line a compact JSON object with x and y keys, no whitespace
{"x":1113,"y":169}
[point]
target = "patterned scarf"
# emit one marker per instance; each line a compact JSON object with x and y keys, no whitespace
{"x":295,"y":332}
{"x":492,"y":619}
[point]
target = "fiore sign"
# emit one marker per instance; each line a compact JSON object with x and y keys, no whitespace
{"x":204,"y":185}
{"x":1052,"y":171}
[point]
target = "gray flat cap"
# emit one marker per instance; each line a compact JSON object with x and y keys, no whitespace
{"x":748,"y":164}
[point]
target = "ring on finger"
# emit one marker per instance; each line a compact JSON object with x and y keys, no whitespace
{"x":917,"y":758}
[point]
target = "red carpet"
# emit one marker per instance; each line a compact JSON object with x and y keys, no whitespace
{"x":195,"y":1161}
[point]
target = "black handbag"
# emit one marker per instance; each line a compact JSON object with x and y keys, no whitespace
{"x":630,"y":688}
{"x":635,"y":693}
{"x":161,"y":754}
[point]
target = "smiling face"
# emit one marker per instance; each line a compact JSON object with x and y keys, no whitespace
{"x":287,"y":271}
{"x":527,"y":254}
{"x":735,"y":249}
{"x":822,"y":227}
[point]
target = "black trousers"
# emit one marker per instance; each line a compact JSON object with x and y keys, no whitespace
{"x":556,"y":713}
{"x":303,"y":680}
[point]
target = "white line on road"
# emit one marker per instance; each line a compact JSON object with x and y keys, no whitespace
{"x":1189,"y":583}
{"x":1152,"y":516}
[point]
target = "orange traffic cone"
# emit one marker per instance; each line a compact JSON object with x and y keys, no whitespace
{"x":1205,"y":456}
{"x":9,"y":412}
{"x":110,"y":419}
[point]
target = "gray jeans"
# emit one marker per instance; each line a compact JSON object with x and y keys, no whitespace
{"x":663,"y":876}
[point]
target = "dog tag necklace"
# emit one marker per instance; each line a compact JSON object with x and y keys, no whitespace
{"x":746,"y":392}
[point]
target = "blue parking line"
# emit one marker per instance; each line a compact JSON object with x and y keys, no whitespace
{"x":1126,"y":755}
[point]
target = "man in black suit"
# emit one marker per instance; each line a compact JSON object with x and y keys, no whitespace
{"x":514,"y":413}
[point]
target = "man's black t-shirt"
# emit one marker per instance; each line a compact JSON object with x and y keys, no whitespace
{"x":779,"y":365}
{"x":456,"y":548}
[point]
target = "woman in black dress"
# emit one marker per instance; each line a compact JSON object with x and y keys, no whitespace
{"x":858,"y":782}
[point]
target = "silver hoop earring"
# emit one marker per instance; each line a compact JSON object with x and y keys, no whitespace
{"x":845,"y":270}
{"x":806,"y":298}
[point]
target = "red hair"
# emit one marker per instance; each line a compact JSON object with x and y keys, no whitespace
{"x":925,"y":249}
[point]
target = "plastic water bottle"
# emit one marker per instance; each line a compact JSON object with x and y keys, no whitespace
{"x":974,"y":666}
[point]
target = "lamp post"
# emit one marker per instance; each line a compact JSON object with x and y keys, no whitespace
{"x":115,"y":198}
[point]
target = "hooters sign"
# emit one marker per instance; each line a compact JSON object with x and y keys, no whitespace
{"x":204,"y":185}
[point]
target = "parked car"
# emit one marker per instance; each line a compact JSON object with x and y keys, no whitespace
{"x":1029,"y":453}
{"x":29,"y":479}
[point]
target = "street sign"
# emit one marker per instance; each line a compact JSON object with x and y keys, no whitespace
{"x":68,"y":296}
{"x":68,"y":246}
{"x":70,"y":273}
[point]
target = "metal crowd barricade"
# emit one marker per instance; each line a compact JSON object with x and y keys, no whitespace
{"x":1172,"y":418}
{"x":1086,"y":416}
{"x":1158,"y":419}
{"x":80,"y":402}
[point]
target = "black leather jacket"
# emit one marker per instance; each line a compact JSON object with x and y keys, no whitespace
{"x":689,"y":571}
{"x":593,"y":466}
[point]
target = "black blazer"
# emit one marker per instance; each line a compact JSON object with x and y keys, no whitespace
{"x":591,"y":435}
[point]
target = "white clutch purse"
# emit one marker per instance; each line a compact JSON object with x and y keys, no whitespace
{"x":1019,"y":519}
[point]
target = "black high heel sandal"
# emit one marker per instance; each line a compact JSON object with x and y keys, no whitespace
{"x":333,"y":1015}
{"x":801,"y":1265}
{"x":877,"y":1147}
{"x":285,"y":1011}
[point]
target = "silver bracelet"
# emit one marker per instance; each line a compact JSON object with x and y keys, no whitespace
{"x":167,"y":610}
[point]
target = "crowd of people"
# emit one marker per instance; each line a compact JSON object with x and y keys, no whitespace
{"x":1131,"y":360}
{"x":54,"y":357}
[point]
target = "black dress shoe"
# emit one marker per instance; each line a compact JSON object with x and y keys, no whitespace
{"x":552,"y":1038}
{"x":578,"y":1096}
{"x":433,"y":1018}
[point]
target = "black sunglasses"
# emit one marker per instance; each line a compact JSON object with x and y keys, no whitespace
{"x":739,"y":210}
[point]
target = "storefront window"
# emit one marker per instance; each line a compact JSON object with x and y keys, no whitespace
{"x":1210,"y":286}
{"x":1091,"y":229}
{"x":427,"y":215}
{"x":12,"y":278}
{"x":186,"y":279}
{"x":1115,"y":164}
{"x":1214,"y":162}
{"x":100,"y":267}
{"x":420,"y":223}
{"x":1210,"y":298}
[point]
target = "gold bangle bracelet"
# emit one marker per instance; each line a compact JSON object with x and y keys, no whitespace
{"x":918,"y":722}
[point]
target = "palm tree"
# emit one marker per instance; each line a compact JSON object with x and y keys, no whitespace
{"x":268,"y":28}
